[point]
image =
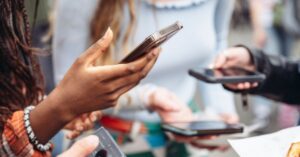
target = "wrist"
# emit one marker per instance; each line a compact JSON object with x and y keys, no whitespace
{"x":60,"y":108}
{"x":48,"y":118}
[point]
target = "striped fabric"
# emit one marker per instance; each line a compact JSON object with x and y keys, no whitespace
{"x":15,"y":141}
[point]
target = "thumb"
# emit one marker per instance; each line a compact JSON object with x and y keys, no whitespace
{"x":219,"y":61}
{"x":82,"y":148}
{"x":99,"y":47}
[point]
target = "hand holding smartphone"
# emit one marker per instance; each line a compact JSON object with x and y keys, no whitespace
{"x":202,"y":128}
{"x":226,"y":75}
{"x":153,"y":41}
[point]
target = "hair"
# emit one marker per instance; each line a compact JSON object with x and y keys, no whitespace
{"x":21,"y":82}
{"x":110,"y":13}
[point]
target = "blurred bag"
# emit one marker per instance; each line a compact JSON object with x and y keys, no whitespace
{"x":291,"y":17}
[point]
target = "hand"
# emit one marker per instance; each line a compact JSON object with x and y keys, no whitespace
{"x":82,"y":148}
{"x":194,"y":141}
{"x":87,"y":87}
{"x":82,"y":123}
{"x":230,"y":118}
{"x":236,"y":57}
{"x":169,"y":107}
{"x":163,"y":100}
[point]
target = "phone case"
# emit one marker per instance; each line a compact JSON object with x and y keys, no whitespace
{"x":154,"y":40}
{"x":200,"y":75}
{"x":185,"y":132}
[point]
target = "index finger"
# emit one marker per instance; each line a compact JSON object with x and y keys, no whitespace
{"x":121,"y":70}
{"x":219,"y":61}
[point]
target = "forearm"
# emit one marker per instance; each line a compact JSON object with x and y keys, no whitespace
{"x":49,"y":117}
{"x":282,"y":78}
{"x":256,"y":9}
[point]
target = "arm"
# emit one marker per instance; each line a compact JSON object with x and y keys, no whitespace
{"x":283,"y":77}
{"x":223,"y":14}
{"x":256,"y":11}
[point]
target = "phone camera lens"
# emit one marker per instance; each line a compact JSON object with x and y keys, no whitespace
{"x":101,"y":153}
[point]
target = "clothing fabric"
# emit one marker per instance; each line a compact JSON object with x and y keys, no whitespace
{"x":15,"y":141}
{"x":282,"y":77}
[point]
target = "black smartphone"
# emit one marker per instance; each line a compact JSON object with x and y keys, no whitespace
{"x":202,"y":128}
{"x":154,"y":40}
{"x":227,"y":75}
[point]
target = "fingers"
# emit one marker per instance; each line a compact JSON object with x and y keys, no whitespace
{"x":150,"y":64}
{"x":210,"y":147}
{"x":99,"y":47}
{"x":166,"y":104}
{"x":124,"y":81}
{"x":83,"y":147}
{"x":73,"y":134}
{"x":96,"y":115}
{"x":242,"y":86}
{"x":219,"y":62}
{"x":229,"y":118}
{"x":120,"y":70}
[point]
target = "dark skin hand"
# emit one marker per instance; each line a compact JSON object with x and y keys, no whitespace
{"x":87,"y":87}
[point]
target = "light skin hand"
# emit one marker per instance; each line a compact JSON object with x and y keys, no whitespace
{"x":87,"y":87}
{"x":82,"y":123}
{"x":236,"y":57}
{"x":82,"y":148}
{"x":163,"y":100}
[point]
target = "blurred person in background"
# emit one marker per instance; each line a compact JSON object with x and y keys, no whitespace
{"x":271,"y":35}
{"x":168,"y":90}
{"x":28,"y":118}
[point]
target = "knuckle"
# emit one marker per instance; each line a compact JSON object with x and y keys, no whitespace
{"x":109,"y":88}
{"x":80,"y":60}
{"x":143,"y":75}
{"x":131,"y":69}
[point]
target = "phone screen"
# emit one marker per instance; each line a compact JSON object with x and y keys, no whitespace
{"x":209,"y":125}
{"x":219,"y":73}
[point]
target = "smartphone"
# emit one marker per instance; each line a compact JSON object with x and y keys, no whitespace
{"x":227,"y":75}
{"x":152,"y":41}
{"x":202,"y":128}
{"x":107,"y":146}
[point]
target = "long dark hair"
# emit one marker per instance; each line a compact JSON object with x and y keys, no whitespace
{"x":21,"y":82}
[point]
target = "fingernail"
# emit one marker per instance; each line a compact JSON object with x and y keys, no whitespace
{"x":107,"y":33}
{"x":92,"y":140}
